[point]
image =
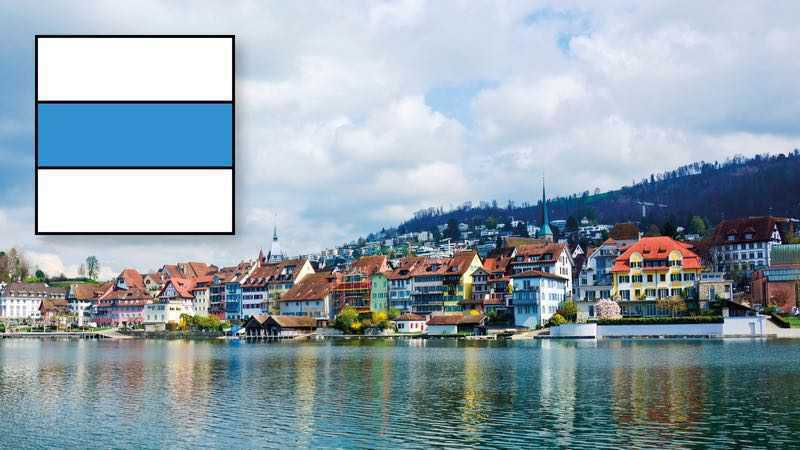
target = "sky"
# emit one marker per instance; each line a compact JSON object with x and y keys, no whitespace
{"x":353,"y":115}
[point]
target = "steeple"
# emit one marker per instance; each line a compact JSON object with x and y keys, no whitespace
{"x":275,"y":251}
{"x":544,"y":231}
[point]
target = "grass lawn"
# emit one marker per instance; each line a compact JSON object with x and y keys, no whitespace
{"x":794,"y":321}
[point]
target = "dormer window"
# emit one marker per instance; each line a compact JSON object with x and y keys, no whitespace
{"x":731,"y":237}
{"x":748,"y":236}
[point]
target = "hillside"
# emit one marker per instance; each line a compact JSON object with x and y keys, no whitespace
{"x":764,"y":184}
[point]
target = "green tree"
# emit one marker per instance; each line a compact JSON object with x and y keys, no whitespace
{"x":92,"y":267}
{"x":556,"y":320}
{"x":347,"y":320}
{"x":568,"y":310}
{"x":394,"y":313}
{"x":452,"y":229}
{"x":40,"y":276}
{"x":698,"y":226}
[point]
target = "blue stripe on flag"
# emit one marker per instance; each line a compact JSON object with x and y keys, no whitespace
{"x":135,"y":134}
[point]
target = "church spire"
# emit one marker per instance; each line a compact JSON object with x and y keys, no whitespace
{"x":544,"y":231}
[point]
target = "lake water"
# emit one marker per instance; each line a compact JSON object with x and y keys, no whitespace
{"x":401,"y":394}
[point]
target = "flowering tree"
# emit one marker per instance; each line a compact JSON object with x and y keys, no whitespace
{"x":608,"y":309}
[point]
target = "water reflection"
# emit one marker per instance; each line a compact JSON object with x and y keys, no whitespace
{"x":402,"y":394}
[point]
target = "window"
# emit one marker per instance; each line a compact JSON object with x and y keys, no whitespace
{"x":675,"y":277}
{"x":650,"y":278}
{"x":636,"y":278}
{"x":662,"y":277}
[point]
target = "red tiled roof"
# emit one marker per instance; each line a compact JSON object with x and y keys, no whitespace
{"x":656,"y":248}
{"x":132,"y":278}
{"x":409,"y":317}
{"x":761,"y":228}
{"x":274,"y":272}
{"x":405,"y":267}
{"x":538,"y":274}
{"x":369,"y":265}
{"x":315,"y":286}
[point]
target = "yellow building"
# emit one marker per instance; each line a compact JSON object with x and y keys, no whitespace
{"x":653,"y":268}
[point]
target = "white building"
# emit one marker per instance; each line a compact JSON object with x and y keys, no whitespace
{"x":410,"y":323}
{"x":536,"y":297}
{"x":554,"y":258}
{"x":745,"y":244}
{"x":22,"y":300}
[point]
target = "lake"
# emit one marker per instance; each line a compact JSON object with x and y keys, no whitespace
{"x":399,"y":394}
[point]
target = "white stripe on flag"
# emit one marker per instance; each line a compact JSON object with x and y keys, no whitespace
{"x":135,"y":201}
{"x":160,"y":69}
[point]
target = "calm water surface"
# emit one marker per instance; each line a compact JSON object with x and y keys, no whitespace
{"x":409,"y":394}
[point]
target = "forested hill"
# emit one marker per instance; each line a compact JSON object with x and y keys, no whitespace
{"x":764,"y":184}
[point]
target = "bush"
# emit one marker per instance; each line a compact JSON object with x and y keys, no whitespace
{"x":556,"y":320}
{"x":661,"y":320}
{"x":568,"y":310}
{"x":608,"y":310}
{"x":347,"y":321}
{"x":393,"y":313}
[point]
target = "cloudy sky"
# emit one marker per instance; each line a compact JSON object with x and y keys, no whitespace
{"x":353,"y":115}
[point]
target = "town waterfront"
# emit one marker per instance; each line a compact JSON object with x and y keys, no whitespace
{"x":403,"y":394}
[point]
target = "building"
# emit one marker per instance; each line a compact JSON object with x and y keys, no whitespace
{"x":595,"y":279}
{"x":279,"y":326}
{"x":354,"y":287}
{"x":233,"y":289}
{"x":54,"y":311}
{"x":124,"y":301}
{"x":779,"y":284}
{"x":549,"y":257}
{"x":712,"y":287}
{"x":157,"y":316}
{"x":536,"y":297}
{"x":743,"y":245}
{"x":379,"y":292}
{"x":262,"y":289}
{"x":480,"y":291}
{"x":22,"y":300}
{"x":498,"y":267}
{"x":440,"y":285}
{"x":410,"y":323}
{"x":200,"y":295}
{"x":310,"y":297}
{"x":650,"y":269}
{"x":401,"y":283}
{"x":275,"y":254}
{"x":179,"y":292}
{"x":82,"y":297}
{"x":456,"y":324}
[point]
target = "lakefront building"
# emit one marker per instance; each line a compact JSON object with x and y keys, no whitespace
{"x":651,"y":269}
{"x":536,"y":297}
{"x":22,"y":300}
{"x":743,"y":245}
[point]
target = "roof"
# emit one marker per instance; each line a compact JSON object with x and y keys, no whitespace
{"x":53,"y":304}
{"x":126,"y":294}
{"x":538,"y":274}
{"x":132,"y":278}
{"x":760,"y":227}
{"x":26,"y":289}
{"x":315,"y":286}
{"x":409,"y":317}
{"x":656,"y":248}
{"x":625,"y":231}
{"x":369,"y":265}
{"x":456,"y":319}
{"x":405,"y":267}
{"x":293,"y":321}
{"x":86,"y":291}
{"x":549,"y":248}
{"x":183,"y":287}
{"x":514,"y":241}
{"x":457,"y":265}
{"x":785,"y":255}
{"x":272,"y":272}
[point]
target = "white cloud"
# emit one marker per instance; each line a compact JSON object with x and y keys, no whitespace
{"x":336,"y":136}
